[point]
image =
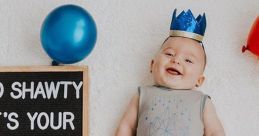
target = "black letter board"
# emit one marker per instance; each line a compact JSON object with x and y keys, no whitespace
{"x":44,"y":101}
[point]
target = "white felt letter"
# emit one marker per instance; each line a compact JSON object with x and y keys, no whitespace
{"x":1,"y":89}
{"x":51,"y":89}
{"x":32,"y":118}
{"x":11,"y":118}
{"x":68,"y":120}
{"x":77,"y":87}
{"x":65,"y":83}
{"x":19,"y":95}
{"x":43,"y":127}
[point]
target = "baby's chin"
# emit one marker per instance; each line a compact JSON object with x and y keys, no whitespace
{"x":174,"y":85}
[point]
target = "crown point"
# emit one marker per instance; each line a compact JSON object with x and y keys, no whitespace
{"x":181,"y":14}
{"x":186,"y":25}
{"x":189,"y":12}
{"x":174,"y":14}
{"x":198,"y":18}
{"x":204,"y":15}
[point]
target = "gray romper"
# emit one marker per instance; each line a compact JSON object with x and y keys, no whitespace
{"x":167,"y":112}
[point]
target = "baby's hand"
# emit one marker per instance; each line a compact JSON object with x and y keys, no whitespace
{"x":212,"y":124}
{"x":128,"y":123}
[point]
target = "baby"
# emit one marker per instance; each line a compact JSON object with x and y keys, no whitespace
{"x":172,"y":106}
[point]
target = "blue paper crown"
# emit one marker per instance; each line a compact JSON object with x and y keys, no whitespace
{"x":186,"y":25}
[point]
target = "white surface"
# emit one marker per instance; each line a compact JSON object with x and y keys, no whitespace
{"x":129,"y":33}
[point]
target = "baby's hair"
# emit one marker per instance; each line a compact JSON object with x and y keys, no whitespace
{"x":205,"y":56}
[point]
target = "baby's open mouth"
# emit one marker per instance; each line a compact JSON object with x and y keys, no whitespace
{"x":173,"y":71}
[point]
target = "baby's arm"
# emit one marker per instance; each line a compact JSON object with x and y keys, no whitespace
{"x":212,"y":124}
{"x":128,"y":123}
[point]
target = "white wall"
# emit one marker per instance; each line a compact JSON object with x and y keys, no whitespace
{"x":129,"y":33}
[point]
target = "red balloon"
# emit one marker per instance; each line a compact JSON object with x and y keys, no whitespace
{"x":253,"y":39}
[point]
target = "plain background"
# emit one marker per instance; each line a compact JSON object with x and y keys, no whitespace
{"x":129,"y":34}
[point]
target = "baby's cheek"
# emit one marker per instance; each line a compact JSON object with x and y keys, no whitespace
{"x":196,"y":68}
{"x":158,"y":67}
{"x":189,"y":70}
{"x":192,"y":73}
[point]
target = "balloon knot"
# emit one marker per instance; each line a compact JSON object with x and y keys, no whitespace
{"x":54,"y":63}
{"x":244,"y":48}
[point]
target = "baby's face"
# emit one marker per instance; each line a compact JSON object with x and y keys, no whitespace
{"x":179,"y":64}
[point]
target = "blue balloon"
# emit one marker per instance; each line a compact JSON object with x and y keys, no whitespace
{"x":68,"y":34}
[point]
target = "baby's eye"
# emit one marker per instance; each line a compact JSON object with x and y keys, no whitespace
{"x":169,"y":54}
{"x":188,"y":60}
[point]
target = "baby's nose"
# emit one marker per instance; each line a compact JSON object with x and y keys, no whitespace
{"x":175,"y":60}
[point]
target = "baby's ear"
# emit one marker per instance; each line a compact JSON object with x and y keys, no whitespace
{"x":151,"y":65}
{"x":200,"y":81}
